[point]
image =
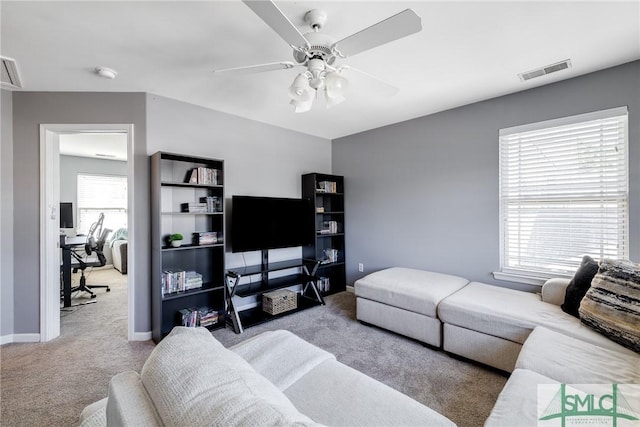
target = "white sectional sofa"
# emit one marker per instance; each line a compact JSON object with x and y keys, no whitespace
{"x":549,"y":357}
{"x":481,"y":322}
{"x":526,"y":334}
{"x":274,"y":378}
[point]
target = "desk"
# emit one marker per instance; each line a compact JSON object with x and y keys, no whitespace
{"x":67,"y":244}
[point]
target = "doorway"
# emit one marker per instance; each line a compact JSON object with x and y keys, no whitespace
{"x":51,"y":138}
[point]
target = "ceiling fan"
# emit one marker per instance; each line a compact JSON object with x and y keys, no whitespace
{"x":318,"y":52}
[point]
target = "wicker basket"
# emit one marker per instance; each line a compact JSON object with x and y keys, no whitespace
{"x":280,"y":301}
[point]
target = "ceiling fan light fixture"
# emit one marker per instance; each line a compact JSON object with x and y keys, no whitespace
{"x":300,"y":90}
{"x":302,"y":106}
{"x":335,"y":88}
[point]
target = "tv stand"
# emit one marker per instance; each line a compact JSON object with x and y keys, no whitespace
{"x":309,"y":297}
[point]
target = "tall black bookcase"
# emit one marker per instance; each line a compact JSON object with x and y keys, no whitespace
{"x":187,"y":197}
{"x":327,"y":193}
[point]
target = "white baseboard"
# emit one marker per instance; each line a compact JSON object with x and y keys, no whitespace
{"x":350,"y":288}
{"x":141,"y":336}
{"x":19,"y":338}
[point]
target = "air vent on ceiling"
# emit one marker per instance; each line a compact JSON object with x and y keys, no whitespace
{"x":9,"y":73}
{"x":558,"y":66}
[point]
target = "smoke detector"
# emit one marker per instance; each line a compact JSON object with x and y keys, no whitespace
{"x":107,"y":73}
{"x":548,"y":69}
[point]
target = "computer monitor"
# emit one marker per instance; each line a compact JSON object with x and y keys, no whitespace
{"x":66,"y":215}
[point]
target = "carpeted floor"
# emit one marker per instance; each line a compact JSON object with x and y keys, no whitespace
{"x":49,"y":383}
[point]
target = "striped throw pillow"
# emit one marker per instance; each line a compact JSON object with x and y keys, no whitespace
{"x":611,"y":306}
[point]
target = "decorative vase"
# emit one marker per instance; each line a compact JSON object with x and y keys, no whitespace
{"x":176,"y":243}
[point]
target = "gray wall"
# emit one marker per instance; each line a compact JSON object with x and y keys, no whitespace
{"x":259,"y":159}
{"x":424,"y":193}
{"x":6,"y":214}
{"x":30,"y":109}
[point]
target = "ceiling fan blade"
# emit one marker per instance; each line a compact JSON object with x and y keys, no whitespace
{"x":273,"y":17}
{"x":380,"y":87}
{"x":257,"y":68}
{"x":393,"y":28}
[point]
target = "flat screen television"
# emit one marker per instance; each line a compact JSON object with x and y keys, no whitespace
{"x":66,"y":215}
{"x":259,"y":223}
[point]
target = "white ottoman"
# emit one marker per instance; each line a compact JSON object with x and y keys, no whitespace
{"x":405,"y":301}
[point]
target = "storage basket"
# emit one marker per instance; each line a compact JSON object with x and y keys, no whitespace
{"x":280,"y":301}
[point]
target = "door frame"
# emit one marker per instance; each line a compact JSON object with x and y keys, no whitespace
{"x":50,"y":229}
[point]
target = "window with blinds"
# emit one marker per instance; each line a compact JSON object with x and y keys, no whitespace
{"x":101,"y":193}
{"x":564,"y":193}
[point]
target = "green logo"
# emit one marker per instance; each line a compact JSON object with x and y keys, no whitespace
{"x":588,"y":404}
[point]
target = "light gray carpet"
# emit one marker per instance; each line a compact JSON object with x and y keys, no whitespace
{"x":48,"y":384}
{"x":461,"y":391}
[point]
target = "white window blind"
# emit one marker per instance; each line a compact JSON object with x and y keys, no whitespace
{"x":564,"y":193}
{"x":102,"y":193}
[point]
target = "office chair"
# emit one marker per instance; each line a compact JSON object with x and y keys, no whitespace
{"x":91,"y":246}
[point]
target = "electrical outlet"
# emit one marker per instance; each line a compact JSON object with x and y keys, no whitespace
{"x":360,"y":267}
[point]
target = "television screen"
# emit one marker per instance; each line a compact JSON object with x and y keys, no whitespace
{"x":66,"y":215}
{"x":270,"y":223}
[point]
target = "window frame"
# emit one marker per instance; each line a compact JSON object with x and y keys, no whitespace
{"x":510,"y":273}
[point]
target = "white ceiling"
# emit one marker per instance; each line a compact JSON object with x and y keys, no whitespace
{"x":103,"y":145}
{"x":466,"y":52}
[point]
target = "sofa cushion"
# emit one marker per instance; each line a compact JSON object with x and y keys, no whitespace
{"x":612,"y":304}
{"x":335,"y":394}
{"x":414,"y":290}
{"x":129,"y":403}
{"x":573,"y":361}
{"x":281,"y":357}
{"x":511,"y":314}
{"x":193,"y":380}
{"x":517,"y":402}
{"x":579,"y":285}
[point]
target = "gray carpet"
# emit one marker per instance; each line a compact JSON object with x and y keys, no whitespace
{"x":48,"y":384}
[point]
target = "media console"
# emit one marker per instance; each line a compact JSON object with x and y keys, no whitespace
{"x":307,"y":276}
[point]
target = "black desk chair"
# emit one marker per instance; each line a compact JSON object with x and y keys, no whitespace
{"x":83,"y":261}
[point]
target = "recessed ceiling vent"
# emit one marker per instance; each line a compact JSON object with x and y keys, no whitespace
{"x":558,"y":66}
{"x":9,"y":73}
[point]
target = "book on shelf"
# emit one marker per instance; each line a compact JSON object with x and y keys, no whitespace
{"x":180,"y":281}
{"x":327,"y":187}
{"x":202,"y":175}
{"x":330,"y":256}
{"x":213,"y":203}
{"x":323,"y":284}
{"x":193,"y":207}
{"x":208,"y":204}
{"x":207,"y":238}
{"x":329,"y":227}
{"x":203,"y":316}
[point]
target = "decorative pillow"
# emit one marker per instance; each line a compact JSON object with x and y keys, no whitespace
{"x":579,"y":285}
{"x":612,"y":304}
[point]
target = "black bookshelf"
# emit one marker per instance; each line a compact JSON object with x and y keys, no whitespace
{"x":173,"y":183}
{"x":328,"y":203}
